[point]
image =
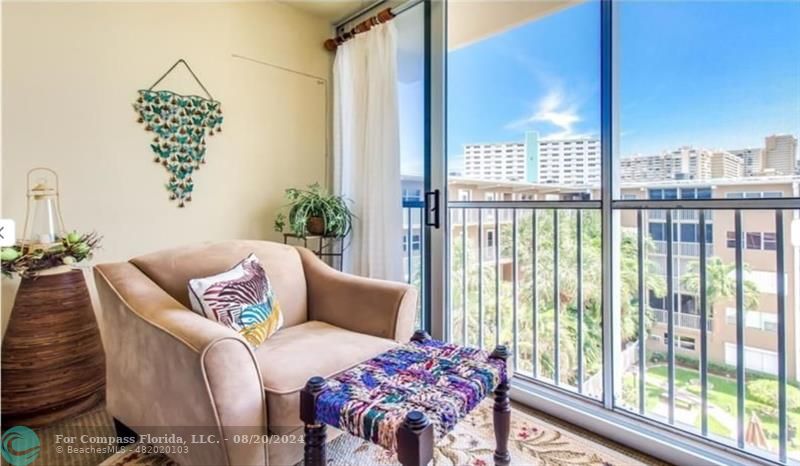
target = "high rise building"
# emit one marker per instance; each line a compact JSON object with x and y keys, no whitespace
{"x":752,"y":158}
{"x":726,"y":165}
{"x":680,"y":164}
{"x":505,"y":161}
{"x":532,"y":157}
{"x":576,"y":161}
{"x":780,"y":154}
{"x":684,"y":163}
{"x":572,"y":161}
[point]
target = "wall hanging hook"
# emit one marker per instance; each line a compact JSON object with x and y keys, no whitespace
{"x":181,"y":60}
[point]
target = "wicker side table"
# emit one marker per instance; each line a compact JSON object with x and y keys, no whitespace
{"x":53,"y":364}
{"x":328,"y":248}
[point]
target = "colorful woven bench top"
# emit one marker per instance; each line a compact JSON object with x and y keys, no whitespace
{"x":442,"y":380}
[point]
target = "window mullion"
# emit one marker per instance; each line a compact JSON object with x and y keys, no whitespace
{"x":606,"y":134}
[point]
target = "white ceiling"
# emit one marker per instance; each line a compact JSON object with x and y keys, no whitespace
{"x":331,"y":10}
{"x":470,"y":21}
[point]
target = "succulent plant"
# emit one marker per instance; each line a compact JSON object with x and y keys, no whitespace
{"x":72,"y":248}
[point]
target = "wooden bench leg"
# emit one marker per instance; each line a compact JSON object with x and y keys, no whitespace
{"x":415,"y":440}
{"x":125,"y":435}
{"x":314,"y":431}
{"x":502,"y":414}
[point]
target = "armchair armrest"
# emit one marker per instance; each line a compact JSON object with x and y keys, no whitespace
{"x":172,"y":370}
{"x":365,"y":305}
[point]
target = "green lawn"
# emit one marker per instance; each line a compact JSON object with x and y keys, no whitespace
{"x":715,"y":426}
{"x":722,"y":394}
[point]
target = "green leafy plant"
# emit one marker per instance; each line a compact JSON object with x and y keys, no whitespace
{"x":72,"y":248}
{"x":720,"y":283}
{"x":311,"y":203}
{"x":765,"y":391}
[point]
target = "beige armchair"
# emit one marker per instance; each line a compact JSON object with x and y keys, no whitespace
{"x":171,"y":369}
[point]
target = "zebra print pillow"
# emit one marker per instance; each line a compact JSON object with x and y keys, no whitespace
{"x":241,"y":298}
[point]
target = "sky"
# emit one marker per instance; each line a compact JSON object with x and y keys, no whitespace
{"x":721,"y":74}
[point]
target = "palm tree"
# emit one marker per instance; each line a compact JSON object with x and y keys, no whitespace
{"x":629,"y":283}
{"x":543,"y":272}
{"x":720,"y":283}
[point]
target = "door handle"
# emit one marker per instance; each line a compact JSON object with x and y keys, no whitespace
{"x":432,"y":209}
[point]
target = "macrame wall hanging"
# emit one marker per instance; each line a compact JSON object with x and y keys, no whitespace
{"x":180,"y":124}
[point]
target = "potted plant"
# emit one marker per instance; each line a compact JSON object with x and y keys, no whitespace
{"x":27,"y":262}
{"x":314,"y":211}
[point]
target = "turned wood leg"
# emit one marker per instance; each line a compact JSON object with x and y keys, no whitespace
{"x":415,"y":440}
{"x":420,"y":335}
{"x":314,"y":431}
{"x":125,"y":435}
{"x":502,"y":414}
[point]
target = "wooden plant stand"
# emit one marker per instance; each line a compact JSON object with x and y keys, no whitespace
{"x":328,"y":248}
{"x":53,"y":365}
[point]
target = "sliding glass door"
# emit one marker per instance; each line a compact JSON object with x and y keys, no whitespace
{"x":411,"y":80}
{"x":523,"y":156}
{"x":623,"y":206}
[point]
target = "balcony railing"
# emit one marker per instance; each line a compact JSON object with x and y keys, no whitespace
{"x":535,"y":285}
{"x":507,"y":264}
{"x":681,"y":319}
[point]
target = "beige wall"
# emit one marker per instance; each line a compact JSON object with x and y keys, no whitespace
{"x":70,"y":75}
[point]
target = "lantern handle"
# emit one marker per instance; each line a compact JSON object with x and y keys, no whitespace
{"x":58,"y":198}
{"x":37,"y":169}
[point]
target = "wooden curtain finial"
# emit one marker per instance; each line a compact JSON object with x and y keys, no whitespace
{"x":364,"y":26}
{"x":385,"y":15}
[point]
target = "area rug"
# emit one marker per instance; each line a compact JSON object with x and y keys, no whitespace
{"x":534,"y":441}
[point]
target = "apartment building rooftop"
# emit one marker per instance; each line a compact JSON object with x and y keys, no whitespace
{"x":521,"y":185}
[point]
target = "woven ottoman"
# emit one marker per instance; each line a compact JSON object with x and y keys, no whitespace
{"x":407,"y":398}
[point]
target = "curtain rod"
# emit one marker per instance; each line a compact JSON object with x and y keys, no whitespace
{"x":381,"y":17}
{"x":396,"y":10}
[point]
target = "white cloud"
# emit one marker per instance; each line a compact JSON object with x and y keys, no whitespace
{"x":557,"y":113}
{"x":552,"y":109}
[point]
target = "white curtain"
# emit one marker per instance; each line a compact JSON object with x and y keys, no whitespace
{"x":366,"y":139}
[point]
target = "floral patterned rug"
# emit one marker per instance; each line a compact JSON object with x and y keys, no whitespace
{"x":534,"y":441}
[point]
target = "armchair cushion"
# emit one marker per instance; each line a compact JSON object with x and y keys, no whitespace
{"x":240,"y":298}
{"x":295,"y":354}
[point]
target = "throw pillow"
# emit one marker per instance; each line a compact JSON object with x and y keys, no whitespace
{"x":241,"y":298}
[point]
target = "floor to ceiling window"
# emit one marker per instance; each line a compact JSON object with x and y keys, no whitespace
{"x":411,"y":105}
{"x":679,"y":123}
{"x":707,"y":106}
{"x":523,"y":96}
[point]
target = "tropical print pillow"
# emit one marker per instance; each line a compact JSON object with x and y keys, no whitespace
{"x":241,"y":298}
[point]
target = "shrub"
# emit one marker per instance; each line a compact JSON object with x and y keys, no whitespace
{"x":687,"y":361}
{"x":765,"y":391}
{"x":630,"y":393}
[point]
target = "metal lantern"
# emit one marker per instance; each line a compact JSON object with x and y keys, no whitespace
{"x":43,"y":222}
